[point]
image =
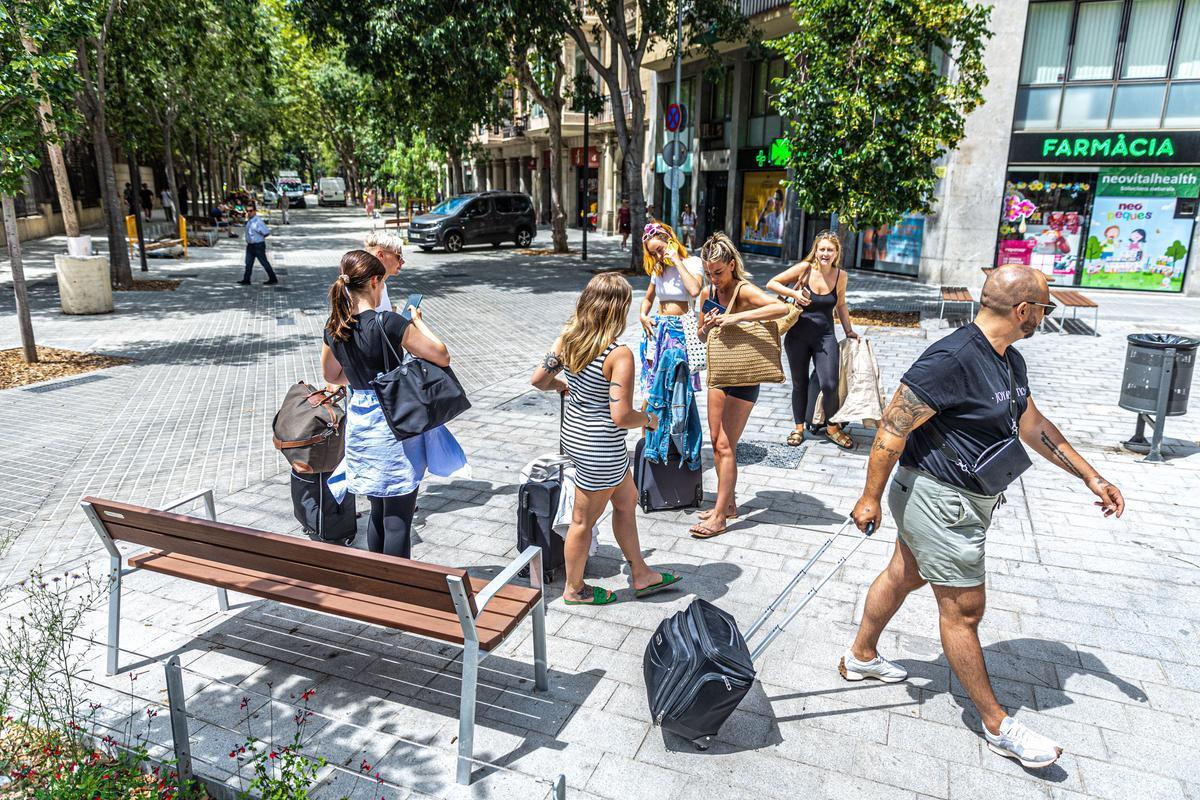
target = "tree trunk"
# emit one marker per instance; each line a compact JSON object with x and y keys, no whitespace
{"x":169,"y":163}
{"x":558,"y":217}
{"x":212,"y":170}
{"x":92,"y":103}
{"x":28,"y":347}
{"x":456,"y":172}
{"x":62,"y":182}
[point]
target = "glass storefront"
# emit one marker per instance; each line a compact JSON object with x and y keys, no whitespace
{"x":895,"y":249}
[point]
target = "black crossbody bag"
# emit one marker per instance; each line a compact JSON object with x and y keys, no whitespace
{"x":1002,"y":463}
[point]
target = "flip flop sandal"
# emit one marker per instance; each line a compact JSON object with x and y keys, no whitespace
{"x":700,"y":532}
{"x":841,"y":439}
{"x":600,"y":597}
{"x":667,"y":581}
{"x":795,"y":438}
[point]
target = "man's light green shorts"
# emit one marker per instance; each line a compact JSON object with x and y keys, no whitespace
{"x":944,"y":527}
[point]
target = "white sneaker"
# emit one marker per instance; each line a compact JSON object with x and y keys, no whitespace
{"x":1025,"y":745}
{"x":879,"y":667}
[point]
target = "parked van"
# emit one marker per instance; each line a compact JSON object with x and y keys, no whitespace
{"x":485,"y":217}
{"x":331,"y":192}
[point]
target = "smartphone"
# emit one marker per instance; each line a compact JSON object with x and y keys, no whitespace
{"x":711,"y":305}
{"x":413,"y":301}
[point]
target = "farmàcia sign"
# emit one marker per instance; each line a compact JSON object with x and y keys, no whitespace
{"x":1109,"y":147}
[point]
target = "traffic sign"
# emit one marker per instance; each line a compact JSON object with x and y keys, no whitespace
{"x":673,"y":178}
{"x":674,"y":118}
{"x":674,"y":153}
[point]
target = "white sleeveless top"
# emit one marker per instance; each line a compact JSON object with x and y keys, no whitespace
{"x":669,"y":285}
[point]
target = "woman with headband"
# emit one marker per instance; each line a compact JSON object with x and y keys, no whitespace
{"x":675,"y":282}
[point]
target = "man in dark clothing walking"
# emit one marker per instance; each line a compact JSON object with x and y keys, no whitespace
{"x":147,"y":198}
{"x":962,"y":408}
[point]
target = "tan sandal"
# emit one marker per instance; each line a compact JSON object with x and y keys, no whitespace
{"x":840,"y":438}
{"x":795,"y":438}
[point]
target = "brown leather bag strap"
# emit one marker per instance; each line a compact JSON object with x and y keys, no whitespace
{"x":280,"y":444}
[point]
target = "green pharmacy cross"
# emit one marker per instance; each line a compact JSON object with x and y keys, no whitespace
{"x":778,"y":156}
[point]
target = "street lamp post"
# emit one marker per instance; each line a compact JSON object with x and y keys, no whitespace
{"x":678,"y":100}
{"x":588,"y":101}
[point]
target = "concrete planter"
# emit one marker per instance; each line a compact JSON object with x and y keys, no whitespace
{"x":83,"y":284}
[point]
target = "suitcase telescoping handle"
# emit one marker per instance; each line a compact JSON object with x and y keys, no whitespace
{"x":779,"y":628}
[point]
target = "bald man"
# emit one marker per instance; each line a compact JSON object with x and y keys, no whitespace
{"x":956,"y":401}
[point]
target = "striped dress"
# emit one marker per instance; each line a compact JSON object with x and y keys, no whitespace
{"x":589,"y":437}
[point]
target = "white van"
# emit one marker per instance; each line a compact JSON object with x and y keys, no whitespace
{"x":331,"y":192}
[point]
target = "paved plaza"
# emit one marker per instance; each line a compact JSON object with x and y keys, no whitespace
{"x":1092,"y":634}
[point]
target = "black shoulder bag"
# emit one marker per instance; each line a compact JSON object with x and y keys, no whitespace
{"x":415,"y":395}
{"x":1002,"y":463}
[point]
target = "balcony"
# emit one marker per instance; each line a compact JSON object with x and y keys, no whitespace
{"x":607,"y":114}
{"x":751,"y":8}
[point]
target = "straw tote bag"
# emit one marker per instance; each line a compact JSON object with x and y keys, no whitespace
{"x":744,"y":354}
{"x":794,"y":311}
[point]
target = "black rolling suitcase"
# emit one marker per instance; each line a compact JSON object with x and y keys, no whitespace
{"x":537,"y":502}
{"x":324,"y":519}
{"x":662,"y":487}
{"x":698,"y":667}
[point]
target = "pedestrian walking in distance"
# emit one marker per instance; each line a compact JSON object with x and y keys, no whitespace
{"x":256,"y":247}
{"x":818,"y":286}
{"x":147,"y":198}
{"x":728,"y":407}
{"x":168,"y":205}
{"x":599,"y":409}
{"x":379,"y":466}
{"x":624,"y":218}
{"x":966,"y":394}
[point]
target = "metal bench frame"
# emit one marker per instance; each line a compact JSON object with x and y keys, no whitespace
{"x":472,"y":654}
{"x":1061,"y":322}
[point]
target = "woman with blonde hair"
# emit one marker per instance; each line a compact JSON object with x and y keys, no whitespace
{"x":728,"y":408}
{"x":599,"y":409}
{"x":675,"y":282}
{"x":359,"y":344}
{"x":817,"y":285}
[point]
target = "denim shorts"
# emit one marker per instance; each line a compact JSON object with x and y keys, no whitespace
{"x":945,"y":527}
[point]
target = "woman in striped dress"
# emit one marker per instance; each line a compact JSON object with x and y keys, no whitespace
{"x":599,"y":387}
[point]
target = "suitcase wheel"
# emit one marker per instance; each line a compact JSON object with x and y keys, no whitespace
{"x":702,"y":743}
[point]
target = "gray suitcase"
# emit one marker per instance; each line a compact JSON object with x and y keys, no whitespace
{"x":662,"y":487}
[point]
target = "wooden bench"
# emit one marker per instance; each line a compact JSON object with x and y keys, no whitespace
{"x":956,"y":294}
{"x":442,"y":603}
{"x":1068,"y":298}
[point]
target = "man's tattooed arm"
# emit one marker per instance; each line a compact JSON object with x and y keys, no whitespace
{"x":1060,"y":457}
{"x":902,"y":416}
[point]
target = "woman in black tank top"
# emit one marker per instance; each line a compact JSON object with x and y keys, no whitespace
{"x":818,"y":285}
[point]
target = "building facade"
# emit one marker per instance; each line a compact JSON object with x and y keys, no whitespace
{"x":1083,"y":161}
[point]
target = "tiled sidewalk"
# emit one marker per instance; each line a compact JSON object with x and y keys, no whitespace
{"x":1092,"y":631}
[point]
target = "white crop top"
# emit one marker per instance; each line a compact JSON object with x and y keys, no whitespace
{"x":669,"y":285}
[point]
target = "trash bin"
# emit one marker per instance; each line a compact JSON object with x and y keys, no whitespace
{"x":1147,"y":358}
{"x":84,"y":286}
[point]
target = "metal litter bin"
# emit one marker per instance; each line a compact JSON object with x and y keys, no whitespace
{"x":1156,"y":384}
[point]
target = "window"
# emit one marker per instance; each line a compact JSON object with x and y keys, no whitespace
{"x":1095,"y":49}
{"x":1148,"y":42}
{"x":717,"y":99}
{"x":1046,"y":42}
{"x":765,"y":73}
{"x":1096,"y":64}
{"x":503,"y":205}
{"x":1187,"y":53}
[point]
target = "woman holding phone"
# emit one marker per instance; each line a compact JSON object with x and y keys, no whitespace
{"x":729,"y":299}
{"x":377,"y":465}
{"x":599,"y":388}
{"x":818,"y":286}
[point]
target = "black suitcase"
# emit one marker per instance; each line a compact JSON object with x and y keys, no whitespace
{"x":323,"y":518}
{"x":662,"y":487}
{"x":698,"y":667}
{"x":537,"y":502}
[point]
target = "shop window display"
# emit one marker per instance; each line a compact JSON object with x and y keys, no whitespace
{"x":1043,"y":219}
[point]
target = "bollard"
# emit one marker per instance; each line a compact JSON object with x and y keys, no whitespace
{"x":177,"y":705}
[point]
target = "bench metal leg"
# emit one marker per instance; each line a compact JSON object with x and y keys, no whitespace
{"x":540,"y":680}
{"x":466,"y":712}
{"x":222,"y":599}
{"x":114,"y":613}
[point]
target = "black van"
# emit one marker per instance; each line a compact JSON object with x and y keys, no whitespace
{"x":491,"y":217}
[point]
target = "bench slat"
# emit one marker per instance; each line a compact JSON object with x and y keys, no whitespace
{"x":1073,"y":299}
{"x":391,"y":569}
{"x":319,"y":576}
{"x":491,"y":626}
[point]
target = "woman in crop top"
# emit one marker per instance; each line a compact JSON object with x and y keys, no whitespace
{"x":675,"y":281}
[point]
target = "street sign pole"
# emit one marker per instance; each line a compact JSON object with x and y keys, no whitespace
{"x":587,"y":172}
{"x":678,"y":101}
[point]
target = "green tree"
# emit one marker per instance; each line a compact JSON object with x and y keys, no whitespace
{"x":1093,"y":249}
{"x":874,"y":96}
{"x":1176,"y":251}
{"x":410,"y":170}
{"x":33,"y":80}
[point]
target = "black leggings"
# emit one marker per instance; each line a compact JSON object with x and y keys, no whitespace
{"x":390,"y":528}
{"x":804,"y":344}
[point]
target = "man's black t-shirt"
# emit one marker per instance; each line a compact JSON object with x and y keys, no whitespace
{"x":362,"y":355}
{"x":965,"y":381}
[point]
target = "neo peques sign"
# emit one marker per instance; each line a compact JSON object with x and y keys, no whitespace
{"x":1109,"y":147}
